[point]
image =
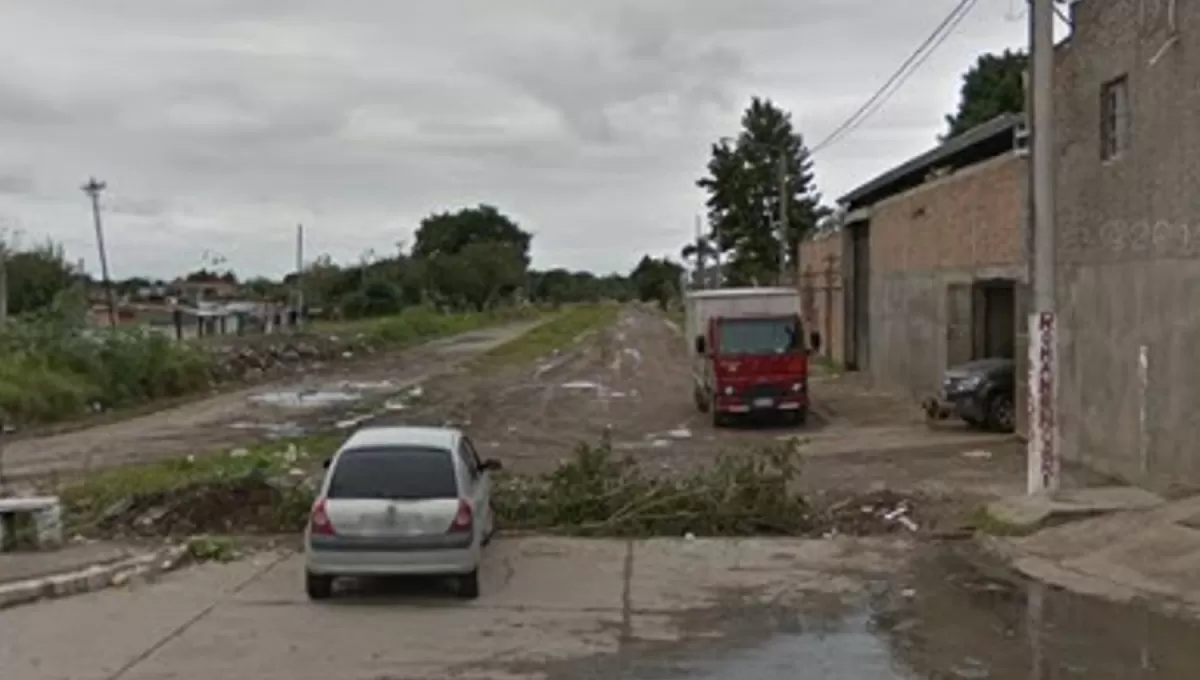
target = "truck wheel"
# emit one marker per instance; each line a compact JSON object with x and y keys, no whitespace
{"x":798,"y":418}
{"x":719,"y":419}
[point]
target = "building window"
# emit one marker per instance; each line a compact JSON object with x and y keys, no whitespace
{"x":1114,"y":118}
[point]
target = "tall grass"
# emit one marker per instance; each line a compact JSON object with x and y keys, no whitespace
{"x":52,"y":370}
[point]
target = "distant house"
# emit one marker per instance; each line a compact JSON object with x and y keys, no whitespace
{"x":196,"y":291}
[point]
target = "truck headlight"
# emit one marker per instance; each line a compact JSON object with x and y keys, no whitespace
{"x":797,"y":387}
{"x":729,"y":391}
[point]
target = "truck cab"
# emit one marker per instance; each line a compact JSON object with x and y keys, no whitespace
{"x":749,"y":354}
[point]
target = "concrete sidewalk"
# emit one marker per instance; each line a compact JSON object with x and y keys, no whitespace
{"x":27,"y":577}
{"x":1146,"y":554}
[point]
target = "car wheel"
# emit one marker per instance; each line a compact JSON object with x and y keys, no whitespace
{"x":491,"y":530}
{"x":468,"y":585}
{"x":1001,"y":415}
{"x":318,"y":586}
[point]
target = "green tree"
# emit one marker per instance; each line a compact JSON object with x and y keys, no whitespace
{"x":449,"y":233}
{"x":747,"y":179}
{"x":478,"y":276}
{"x":993,"y":86}
{"x":37,"y":277}
{"x":656,"y":280}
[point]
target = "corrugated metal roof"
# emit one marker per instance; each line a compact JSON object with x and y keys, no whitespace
{"x":1001,"y":125}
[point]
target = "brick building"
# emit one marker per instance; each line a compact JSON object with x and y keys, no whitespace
{"x":933,"y":261}
{"x":821,"y":292}
{"x":1128,"y":250}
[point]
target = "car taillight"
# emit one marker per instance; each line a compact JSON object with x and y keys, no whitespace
{"x":464,"y":519}
{"x":319,"y":523}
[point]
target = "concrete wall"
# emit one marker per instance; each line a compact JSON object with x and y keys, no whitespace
{"x":927,"y":246}
{"x":1129,"y":245}
{"x":821,"y":292}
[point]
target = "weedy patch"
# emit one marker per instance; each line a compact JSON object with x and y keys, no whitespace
{"x":270,"y":491}
{"x":555,"y":334}
{"x":266,"y":489}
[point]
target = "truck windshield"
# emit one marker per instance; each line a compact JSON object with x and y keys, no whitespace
{"x":759,"y":336}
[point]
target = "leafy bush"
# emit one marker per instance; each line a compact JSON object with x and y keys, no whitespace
{"x":599,"y":494}
{"x":51,"y":370}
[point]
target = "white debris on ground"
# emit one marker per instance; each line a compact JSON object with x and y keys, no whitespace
{"x":304,"y":399}
{"x":977,"y":454}
{"x":681,"y":432}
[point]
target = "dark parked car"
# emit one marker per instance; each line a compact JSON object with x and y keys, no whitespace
{"x":980,"y":392}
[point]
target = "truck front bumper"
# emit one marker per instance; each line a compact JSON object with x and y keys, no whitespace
{"x":792,"y":402}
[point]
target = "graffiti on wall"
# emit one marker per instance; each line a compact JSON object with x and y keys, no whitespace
{"x":1131,"y":239}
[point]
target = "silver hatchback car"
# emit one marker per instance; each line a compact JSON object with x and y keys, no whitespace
{"x":401,"y":501}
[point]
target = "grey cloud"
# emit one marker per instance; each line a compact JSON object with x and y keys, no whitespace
{"x":15,"y":183}
{"x":229,"y":121}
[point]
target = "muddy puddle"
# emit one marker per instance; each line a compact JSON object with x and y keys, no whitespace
{"x":942,"y":619}
{"x":342,"y":406}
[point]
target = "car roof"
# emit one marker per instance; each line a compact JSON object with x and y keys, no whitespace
{"x":430,"y":437}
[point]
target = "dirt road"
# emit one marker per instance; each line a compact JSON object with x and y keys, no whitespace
{"x":239,"y":418}
{"x":634,"y":380}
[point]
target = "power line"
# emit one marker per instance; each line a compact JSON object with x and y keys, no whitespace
{"x":901,"y":75}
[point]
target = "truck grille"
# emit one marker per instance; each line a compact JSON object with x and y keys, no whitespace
{"x":764,"y":392}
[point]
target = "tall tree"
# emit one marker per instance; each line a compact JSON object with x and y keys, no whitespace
{"x":450,"y":233}
{"x":747,"y":180}
{"x":991,"y":87}
{"x":656,"y":280}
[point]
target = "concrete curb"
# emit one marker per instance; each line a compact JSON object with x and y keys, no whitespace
{"x":1059,"y":576}
{"x":91,"y":579}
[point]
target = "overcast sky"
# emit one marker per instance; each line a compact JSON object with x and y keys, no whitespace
{"x":220,"y":124}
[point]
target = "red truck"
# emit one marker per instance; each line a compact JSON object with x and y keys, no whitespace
{"x":749,"y":355}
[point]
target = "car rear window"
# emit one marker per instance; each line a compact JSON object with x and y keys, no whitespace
{"x":394,"y":473}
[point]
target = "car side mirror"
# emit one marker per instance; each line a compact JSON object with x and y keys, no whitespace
{"x":327,"y":463}
{"x":491,"y":465}
{"x":701,"y":345}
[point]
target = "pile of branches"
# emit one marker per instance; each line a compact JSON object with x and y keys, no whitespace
{"x":245,"y":504}
{"x":598,"y":493}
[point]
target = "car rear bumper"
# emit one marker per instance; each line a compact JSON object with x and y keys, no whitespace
{"x":343,"y":560}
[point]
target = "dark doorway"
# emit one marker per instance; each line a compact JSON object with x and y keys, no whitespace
{"x":858,"y":300}
{"x":995,"y":316}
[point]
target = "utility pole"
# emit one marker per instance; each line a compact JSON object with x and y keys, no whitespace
{"x":701,"y":258}
{"x":1043,"y":440}
{"x":93,"y":189}
{"x":299,"y":272}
